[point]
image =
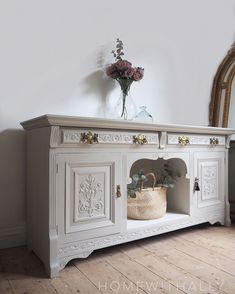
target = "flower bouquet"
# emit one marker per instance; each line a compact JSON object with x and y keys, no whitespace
{"x":124,"y":73}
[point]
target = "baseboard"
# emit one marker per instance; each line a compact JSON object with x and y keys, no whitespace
{"x":13,"y":236}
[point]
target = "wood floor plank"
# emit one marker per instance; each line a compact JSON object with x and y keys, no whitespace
{"x":5,"y":287}
{"x":177,"y":276}
{"x":31,"y":286}
{"x":19,"y":263}
{"x":203,"y":254}
{"x":216,"y":278}
{"x":214,"y":232}
{"x":105,"y":277}
{"x":196,"y":260}
{"x":139,"y":275}
{"x":218,"y":246}
{"x":25,"y":272}
{"x":71,"y":280}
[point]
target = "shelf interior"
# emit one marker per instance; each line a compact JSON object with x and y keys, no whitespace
{"x":169,"y":217}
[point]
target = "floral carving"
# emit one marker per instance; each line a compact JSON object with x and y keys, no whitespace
{"x":195,"y":140}
{"x":209,"y":181}
{"x":89,"y":200}
{"x":74,"y":136}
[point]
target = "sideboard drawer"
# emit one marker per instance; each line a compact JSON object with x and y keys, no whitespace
{"x":84,"y":136}
{"x":189,"y":139}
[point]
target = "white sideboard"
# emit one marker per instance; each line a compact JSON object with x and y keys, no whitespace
{"x":77,"y":171}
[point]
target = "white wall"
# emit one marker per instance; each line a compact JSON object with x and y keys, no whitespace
{"x":52,"y":55}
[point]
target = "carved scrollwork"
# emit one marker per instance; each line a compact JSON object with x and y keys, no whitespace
{"x":104,"y":137}
{"x":86,"y":246}
{"x":209,"y":182}
{"x":88,"y":196}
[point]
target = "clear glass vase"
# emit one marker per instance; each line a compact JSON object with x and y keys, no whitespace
{"x":125,"y":107}
{"x":144,"y":115}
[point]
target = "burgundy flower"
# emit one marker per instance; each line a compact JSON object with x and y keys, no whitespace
{"x":123,"y":65}
{"x":138,"y":74}
{"x":112,"y":72}
{"x":129,"y":73}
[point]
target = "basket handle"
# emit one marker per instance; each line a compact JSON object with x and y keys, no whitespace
{"x":154,"y":180}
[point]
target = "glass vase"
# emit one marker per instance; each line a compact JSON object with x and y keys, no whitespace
{"x":125,"y":107}
{"x":144,"y":115}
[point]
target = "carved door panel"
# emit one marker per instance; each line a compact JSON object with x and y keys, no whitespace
{"x":88,"y":206}
{"x":209,"y":169}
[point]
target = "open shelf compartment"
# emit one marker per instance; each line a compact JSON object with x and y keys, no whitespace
{"x":178,"y":197}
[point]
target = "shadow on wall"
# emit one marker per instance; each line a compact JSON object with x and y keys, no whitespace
{"x":12,"y":177}
{"x":97,"y":85}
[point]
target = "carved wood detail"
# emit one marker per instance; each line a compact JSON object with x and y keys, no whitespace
{"x":89,"y":246}
{"x":195,"y":140}
{"x":74,"y":136}
{"x":209,"y":182}
{"x":89,"y":197}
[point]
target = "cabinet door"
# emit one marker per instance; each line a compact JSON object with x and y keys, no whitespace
{"x":209,"y":169}
{"x":88,"y":205}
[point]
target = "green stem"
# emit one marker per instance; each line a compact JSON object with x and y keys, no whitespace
{"x":125,"y":85}
{"x":124,"y":105}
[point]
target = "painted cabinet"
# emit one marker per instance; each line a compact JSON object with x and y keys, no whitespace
{"x":88,"y":187}
{"x":77,"y":175}
{"x":209,"y":170}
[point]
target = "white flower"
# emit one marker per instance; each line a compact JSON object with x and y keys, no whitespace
{"x":129,"y":180}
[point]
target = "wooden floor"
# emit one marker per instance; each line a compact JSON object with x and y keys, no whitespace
{"x":194,"y":260}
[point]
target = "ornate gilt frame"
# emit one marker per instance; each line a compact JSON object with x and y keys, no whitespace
{"x":222,"y":83}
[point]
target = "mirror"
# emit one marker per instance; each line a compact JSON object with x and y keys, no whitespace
{"x":222,"y":105}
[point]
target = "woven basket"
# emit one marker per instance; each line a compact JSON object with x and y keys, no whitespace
{"x":150,"y":203}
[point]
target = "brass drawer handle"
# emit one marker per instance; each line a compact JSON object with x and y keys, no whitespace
{"x":89,"y":138}
{"x":214,"y":141}
{"x":183,"y":140}
{"x":140,"y":139}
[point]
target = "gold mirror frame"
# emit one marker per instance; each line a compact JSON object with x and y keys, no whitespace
{"x":221,"y":91}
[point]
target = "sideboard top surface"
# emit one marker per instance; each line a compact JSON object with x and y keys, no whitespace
{"x":116,"y":124}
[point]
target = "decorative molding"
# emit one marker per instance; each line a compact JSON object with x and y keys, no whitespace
{"x":116,"y":124}
{"x":55,"y":136}
{"x":74,"y":137}
{"x":228,"y":139}
{"x":65,"y":260}
{"x":77,"y":248}
{"x":12,"y":236}
{"x":195,"y":140}
{"x":163,"y":138}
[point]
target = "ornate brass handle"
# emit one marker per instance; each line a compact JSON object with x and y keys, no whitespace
{"x":140,"y":139}
{"x":214,"y":141}
{"x":89,"y":138}
{"x":118,"y":191}
{"x":183,"y":140}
